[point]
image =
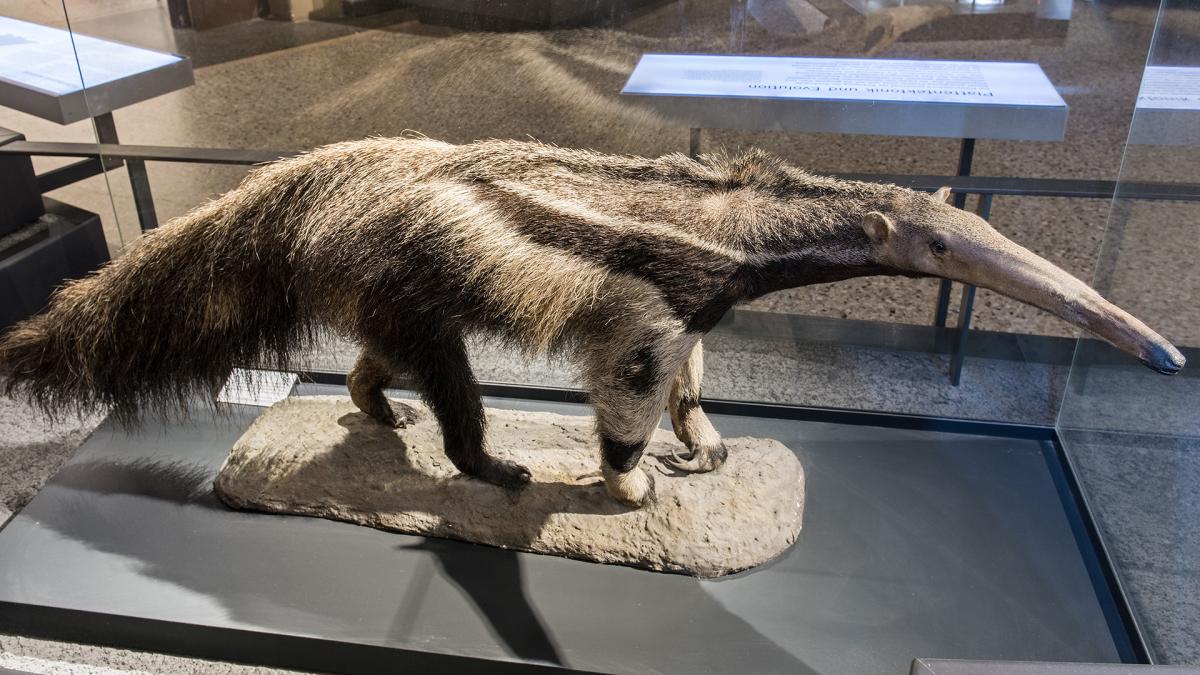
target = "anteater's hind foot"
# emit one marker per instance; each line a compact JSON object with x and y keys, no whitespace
{"x":508,"y":475}
{"x":366,"y":381}
{"x":392,"y":413}
{"x":397,"y":415}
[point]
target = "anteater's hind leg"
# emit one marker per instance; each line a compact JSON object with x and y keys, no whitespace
{"x":444,"y":379}
{"x":367,"y":380}
{"x":691,"y":425}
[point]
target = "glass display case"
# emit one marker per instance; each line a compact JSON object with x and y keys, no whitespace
{"x":982,"y":479}
{"x":1131,"y":439}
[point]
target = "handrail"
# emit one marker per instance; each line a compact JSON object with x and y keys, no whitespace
{"x":146,"y":153}
{"x":980,"y":185}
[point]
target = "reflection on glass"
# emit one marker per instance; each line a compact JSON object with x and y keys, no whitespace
{"x":1133,"y":436}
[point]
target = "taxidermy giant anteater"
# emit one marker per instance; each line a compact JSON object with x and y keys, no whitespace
{"x":408,"y":244}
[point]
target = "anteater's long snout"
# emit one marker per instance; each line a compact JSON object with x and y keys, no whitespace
{"x":1006,"y":267}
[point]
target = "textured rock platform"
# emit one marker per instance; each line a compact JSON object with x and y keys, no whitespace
{"x":320,"y":456}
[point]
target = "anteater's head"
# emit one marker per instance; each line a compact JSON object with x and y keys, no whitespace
{"x":926,"y":236}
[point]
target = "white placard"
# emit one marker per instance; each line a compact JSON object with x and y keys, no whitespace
{"x":804,"y":78}
{"x":43,"y":58}
{"x":257,"y":387}
{"x":1170,"y":88}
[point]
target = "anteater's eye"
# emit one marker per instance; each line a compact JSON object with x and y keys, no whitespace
{"x":937,"y":247}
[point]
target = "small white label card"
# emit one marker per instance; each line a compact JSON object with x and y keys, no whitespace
{"x":257,"y":387}
{"x":1170,"y":88}
{"x":801,"y":78}
{"x":54,"y":61}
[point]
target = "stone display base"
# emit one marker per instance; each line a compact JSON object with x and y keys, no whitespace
{"x":320,"y":456}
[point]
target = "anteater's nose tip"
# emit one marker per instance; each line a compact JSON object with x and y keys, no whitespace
{"x":1166,"y":359}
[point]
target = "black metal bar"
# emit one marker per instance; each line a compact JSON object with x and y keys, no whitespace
{"x":941,"y":308}
{"x":149,"y":153}
{"x":74,"y":172}
{"x":143,"y":198}
{"x":966,"y":155}
{"x":139,"y":180}
{"x":965,"y":304}
{"x":979,"y":185}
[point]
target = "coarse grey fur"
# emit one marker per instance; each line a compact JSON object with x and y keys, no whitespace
{"x":408,"y":245}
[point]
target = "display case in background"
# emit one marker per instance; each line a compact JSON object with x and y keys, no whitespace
{"x":1007,"y":492}
{"x":45,"y":96}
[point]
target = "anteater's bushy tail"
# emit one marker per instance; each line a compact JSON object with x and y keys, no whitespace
{"x":163,"y":323}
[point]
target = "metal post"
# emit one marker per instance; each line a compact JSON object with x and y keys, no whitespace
{"x":966,"y":154}
{"x":965,"y":304}
{"x":106,"y":130}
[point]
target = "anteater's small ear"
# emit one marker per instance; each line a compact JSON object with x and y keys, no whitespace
{"x":878,"y":227}
{"x":942,"y":194}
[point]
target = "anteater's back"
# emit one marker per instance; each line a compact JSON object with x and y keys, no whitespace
{"x":501,"y":237}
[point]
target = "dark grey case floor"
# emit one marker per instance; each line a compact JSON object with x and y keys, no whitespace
{"x":915,"y":544}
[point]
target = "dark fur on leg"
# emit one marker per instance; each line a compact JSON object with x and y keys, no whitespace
{"x":622,"y":457}
{"x":626,"y":482}
{"x":444,"y":379}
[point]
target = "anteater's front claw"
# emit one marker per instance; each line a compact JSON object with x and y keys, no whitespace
{"x":701,"y":460}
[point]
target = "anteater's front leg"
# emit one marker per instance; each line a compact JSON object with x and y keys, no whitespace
{"x":629,"y":400}
{"x":691,"y":425}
